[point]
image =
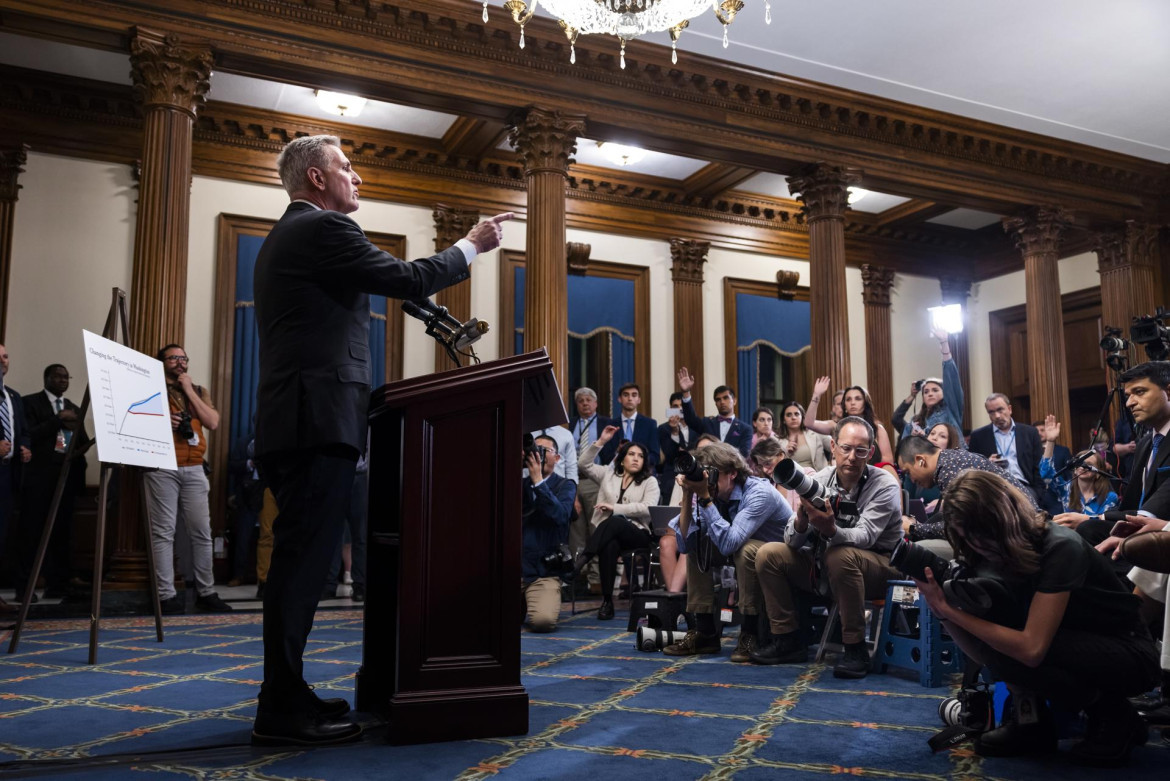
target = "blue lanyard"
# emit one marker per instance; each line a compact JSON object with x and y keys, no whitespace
{"x":1003,"y":453}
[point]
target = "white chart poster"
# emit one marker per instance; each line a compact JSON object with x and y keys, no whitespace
{"x":131,"y":415}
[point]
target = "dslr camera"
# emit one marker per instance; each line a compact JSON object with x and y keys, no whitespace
{"x":789,"y":474}
{"x":184,"y":430}
{"x":689,"y":467}
{"x":558,"y":563}
{"x":918,"y":385}
{"x":531,"y":448}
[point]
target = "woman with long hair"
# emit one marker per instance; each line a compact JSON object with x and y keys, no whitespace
{"x":805,"y":447}
{"x":1088,"y":492}
{"x":762,"y":425}
{"x":942,"y":399}
{"x":855,"y":401}
{"x":621,"y":516}
{"x":1060,"y":625}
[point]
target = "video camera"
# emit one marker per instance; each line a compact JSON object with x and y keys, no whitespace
{"x":788,"y":474}
{"x":1150,"y":332}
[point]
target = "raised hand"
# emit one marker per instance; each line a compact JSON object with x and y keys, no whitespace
{"x":941,"y":334}
{"x":820,"y":386}
{"x":685,"y":380}
{"x":486,"y":235}
{"x":1051,"y":429}
{"x":607,"y":434}
{"x":914,"y":389}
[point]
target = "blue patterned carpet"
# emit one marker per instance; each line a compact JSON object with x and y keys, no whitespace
{"x":600,"y":709}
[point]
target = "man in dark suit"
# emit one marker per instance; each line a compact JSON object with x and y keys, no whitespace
{"x":674,"y":437}
{"x":313,"y":278}
{"x":632,"y":426}
{"x":14,"y":452}
{"x":53,"y":421}
{"x":1016,"y":448}
{"x":725,"y":425}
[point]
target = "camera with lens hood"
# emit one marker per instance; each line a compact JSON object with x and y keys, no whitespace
{"x":912,"y":560}
{"x":689,"y":467}
{"x":650,"y":639}
{"x":789,"y":474}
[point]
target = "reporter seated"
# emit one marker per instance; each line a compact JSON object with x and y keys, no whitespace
{"x":1085,"y":492}
{"x":727,"y":514}
{"x":1059,"y":626}
{"x":547,"y":504}
{"x":621,"y":515}
{"x":850,"y":544}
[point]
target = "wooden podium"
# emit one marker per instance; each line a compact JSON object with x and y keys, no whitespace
{"x":441,"y":646}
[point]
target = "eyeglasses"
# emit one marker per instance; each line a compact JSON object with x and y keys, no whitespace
{"x":847,"y":450}
{"x":176,"y":359}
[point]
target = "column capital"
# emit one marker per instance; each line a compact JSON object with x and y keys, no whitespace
{"x":876,"y":282}
{"x":1038,"y":231}
{"x":577,"y":256}
{"x":955,"y":290}
{"x":823,"y":190}
{"x":12,"y":162}
{"x":546,"y":140}
{"x":168,"y":73}
{"x":687,"y":257}
{"x":1110,"y":250}
{"x":451,"y":224}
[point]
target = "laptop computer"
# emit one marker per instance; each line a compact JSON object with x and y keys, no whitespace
{"x":661,"y":516}
{"x":918,"y":510}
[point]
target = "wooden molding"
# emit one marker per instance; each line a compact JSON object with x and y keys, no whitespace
{"x":706,"y":108}
{"x":914,"y":210}
{"x":716,"y":178}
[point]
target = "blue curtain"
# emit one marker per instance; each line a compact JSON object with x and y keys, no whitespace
{"x":748,"y":378}
{"x":621,"y":364}
{"x":378,"y":308}
{"x":785,"y":326}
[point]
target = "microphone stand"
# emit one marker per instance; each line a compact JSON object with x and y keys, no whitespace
{"x":438,"y":329}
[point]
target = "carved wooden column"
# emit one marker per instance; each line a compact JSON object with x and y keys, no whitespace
{"x":545,"y":141}
{"x":450,"y":226}
{"x":879,"y":363}
{"x":824,"y":192}
{"x":170,"y":81}
{"x":1127,"y":260}
{"x":12,"y":162}
{"x":956,"y":290}
{"x":1038,"y":236}
{"x":687,"y":257}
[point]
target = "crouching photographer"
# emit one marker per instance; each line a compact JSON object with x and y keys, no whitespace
{"x":547,"y":503}
{"x":727,"y":514}
{"x":1056,"y":623}
{"x":849,"y":521}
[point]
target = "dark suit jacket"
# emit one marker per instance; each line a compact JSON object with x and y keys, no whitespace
{"x":1028,"y":452}
{"x":19,"y":438}
{"x":739,"y":435}
{"x":601,"y":422}
{"x":43,"y":425}
{"x":312,"y":280}
{"x":670,"y":449}
{"x":1157,"y":480}
{"x":645,"y":434}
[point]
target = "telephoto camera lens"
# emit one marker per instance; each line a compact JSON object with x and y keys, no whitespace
{"x":650,"y":639}
{"x":789,"y":474}
{"x":688,"y":466}
{"x":912,"y":560}
{"x":950,"y":711}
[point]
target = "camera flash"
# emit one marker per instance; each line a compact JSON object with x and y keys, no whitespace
{"x":949,"y":318}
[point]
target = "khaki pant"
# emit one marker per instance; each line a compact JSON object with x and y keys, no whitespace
{"x":268,"y":513}
{"x":855,"y":575}
{"x":701,"y":587}
{"x":543,"y":599}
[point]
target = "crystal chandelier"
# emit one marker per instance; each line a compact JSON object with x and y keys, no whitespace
{"x":626,"y":19}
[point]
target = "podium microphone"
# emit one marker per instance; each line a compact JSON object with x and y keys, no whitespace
{"x":436,"y":326}
{"x":469,"y":333}
{"x":440,"y":312}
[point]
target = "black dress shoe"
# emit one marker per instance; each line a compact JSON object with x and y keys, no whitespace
{"x":605,"y":612}
{"x":300,"y":728}
{"x":331,"y":708}
{"x":359,"y":593}
{"x":783,"y":649}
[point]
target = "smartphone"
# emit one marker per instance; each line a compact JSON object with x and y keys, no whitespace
{"x":1124,"y":528}
{"x":673,"y":412}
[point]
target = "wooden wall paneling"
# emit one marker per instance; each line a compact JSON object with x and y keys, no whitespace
{"x":12,"y":161}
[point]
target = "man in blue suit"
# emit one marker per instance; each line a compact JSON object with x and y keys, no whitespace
{"x":725,"y":425}
{"x":632,"y":426}
{"x":14,"y":452}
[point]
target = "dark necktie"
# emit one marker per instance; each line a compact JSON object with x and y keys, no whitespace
{"x":1152,"y":469}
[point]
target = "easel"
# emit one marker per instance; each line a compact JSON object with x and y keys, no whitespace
{"x":117,"y":314}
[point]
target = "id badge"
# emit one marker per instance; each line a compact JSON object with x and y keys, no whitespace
{"x":194,"y":440}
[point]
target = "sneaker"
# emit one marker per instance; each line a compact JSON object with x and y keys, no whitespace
{"x":347,"y":578}
{"x":854,"y":663}
{"x":694,"y":642}
{"x":344,"y":591}
{"x":784,"y":649}
{"x":176,"y":605}
{"x":212,"y":604}
{"x":1012,"y":739}
{"x":744,"y":647}
{"x":1113,"y":729}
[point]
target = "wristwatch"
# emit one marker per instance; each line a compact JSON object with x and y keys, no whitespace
{"x":706,"y":501}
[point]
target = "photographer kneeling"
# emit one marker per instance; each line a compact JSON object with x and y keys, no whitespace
{"x":726,"y":513}
{"x":548,"y":503}
{"x":851,"y":538}
{"x":1054,"y":622}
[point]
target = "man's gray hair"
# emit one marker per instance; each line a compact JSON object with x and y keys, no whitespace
{"x":1003,"y":397}
{"x":298,"y":156}
{"x":855,"y":421}
{"x":583,"y":391}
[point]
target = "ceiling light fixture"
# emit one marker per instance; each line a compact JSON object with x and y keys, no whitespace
{"x":856,"y":194}
{"x":626,"y":19}
{"x":620,"y":154}
{"x":339,"y":104}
